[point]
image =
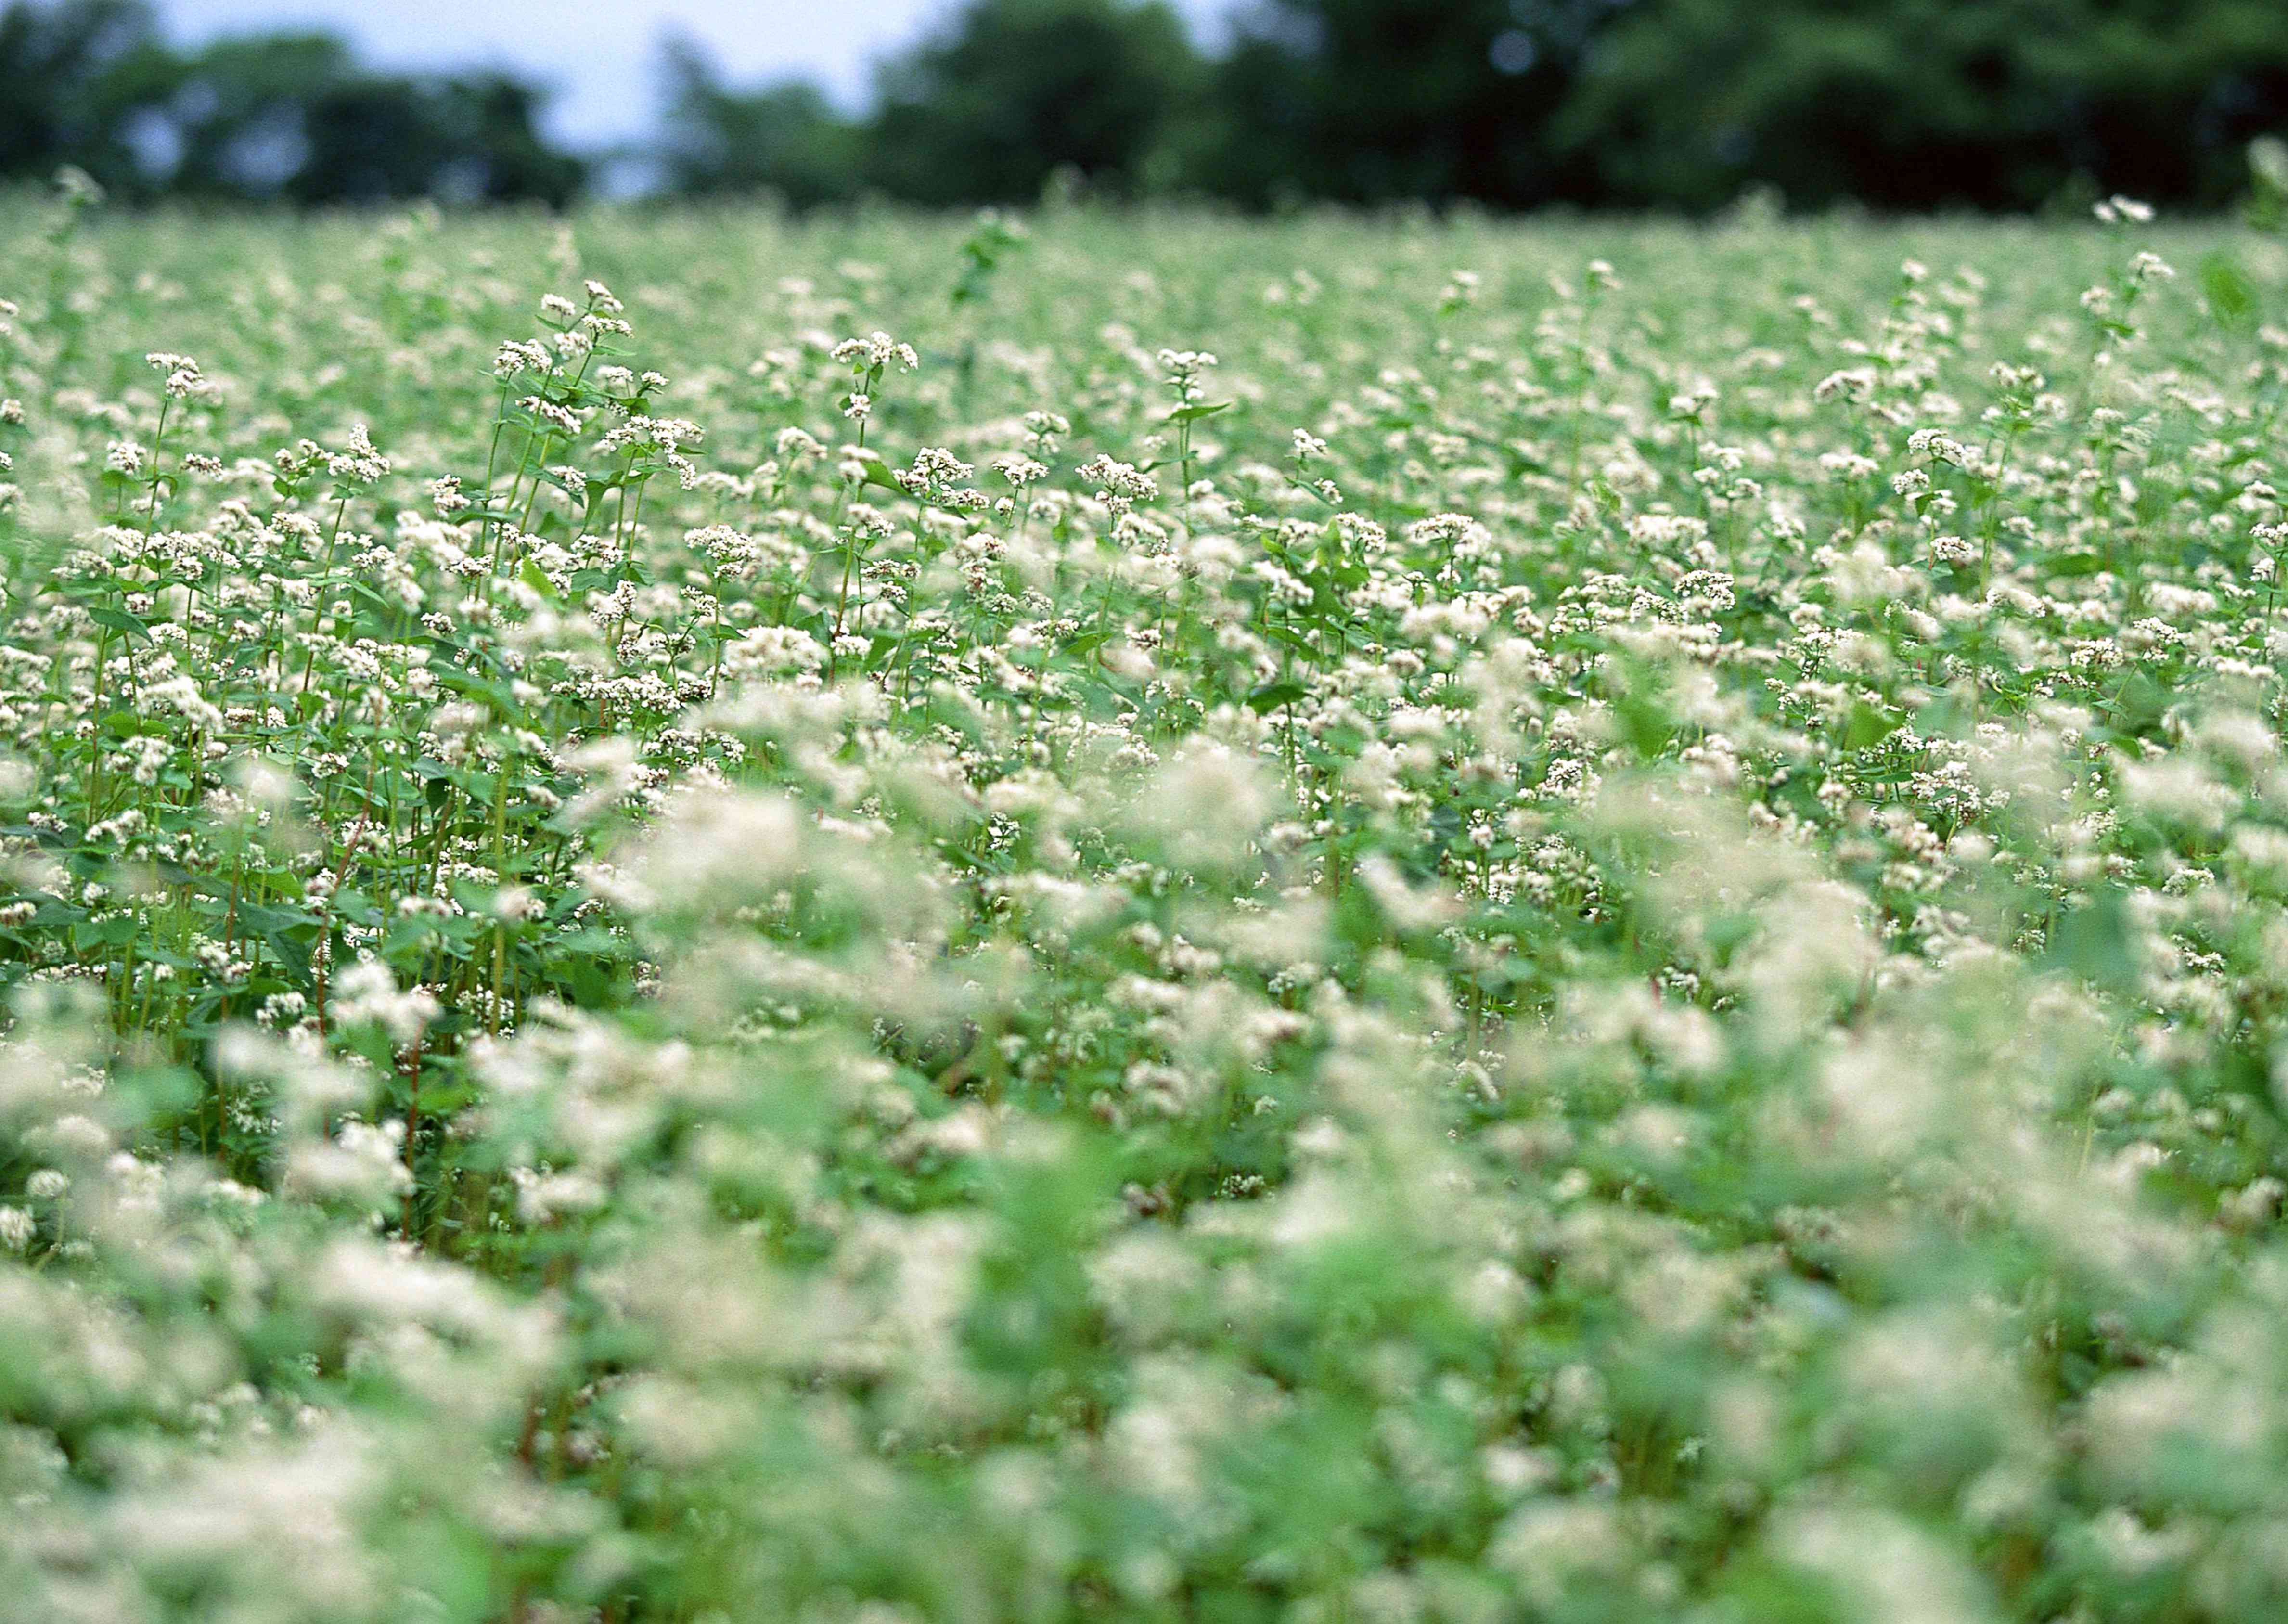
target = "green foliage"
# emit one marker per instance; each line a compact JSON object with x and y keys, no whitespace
{"x":2020,"y":105}
{"x":94,"y":84}
{"x":2267,"y":174}
{"x":1379,"y":100}
{"x":1921,"y":104}
{"x":784,"y":139}
{"x":1010,"y":92}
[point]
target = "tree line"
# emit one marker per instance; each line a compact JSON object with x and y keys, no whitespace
{"x":1679,"y":104}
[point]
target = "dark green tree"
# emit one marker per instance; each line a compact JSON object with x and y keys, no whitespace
{"x":785,"y":138}
{"x":238,"y":119}
{"x":1372,"y":100}
{"x":79,"y":81}
{"x":369,"y":138}
{"x":499,"y":119}
{"x":1011,"y":91}
{"x":258,"y":116}
{"x":1920,"y":104}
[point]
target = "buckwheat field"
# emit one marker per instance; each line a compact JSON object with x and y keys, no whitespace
{"x":1142,"y":917}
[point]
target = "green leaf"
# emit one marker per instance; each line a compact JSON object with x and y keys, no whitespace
{"x":1645,"y":722}
{"x":479,"y":688}
{"x":120,"y":620}
{"x":2231,"y":296}
{"x":2098,"y":943}
{"x":1194,"y":413}
{"x":1868,"y":726}
{"x":873,"y":470}
{"x":1270,"y":695}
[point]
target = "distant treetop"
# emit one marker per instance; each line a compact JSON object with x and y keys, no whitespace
{"x":1677,"y":104}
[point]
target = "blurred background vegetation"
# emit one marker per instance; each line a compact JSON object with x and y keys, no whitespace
{"x":2006,"y":105}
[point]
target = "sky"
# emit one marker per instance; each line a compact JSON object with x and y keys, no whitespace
{"x":601,"y":56}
